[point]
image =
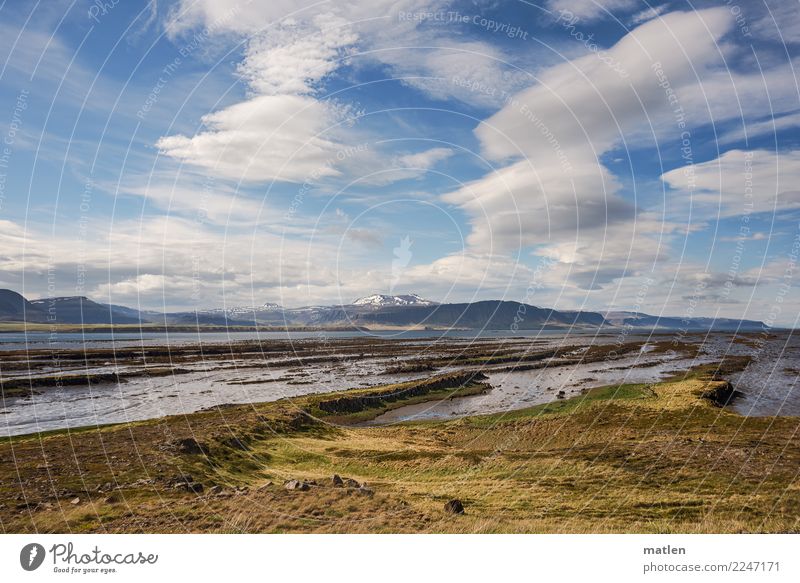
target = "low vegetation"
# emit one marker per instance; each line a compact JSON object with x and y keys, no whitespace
{"x":664,"y":457}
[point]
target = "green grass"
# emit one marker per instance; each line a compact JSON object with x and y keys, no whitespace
{"x":567,"y":406}
{"x":628,"y":458}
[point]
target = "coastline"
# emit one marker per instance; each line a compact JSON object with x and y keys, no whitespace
{"x":628,"y":458}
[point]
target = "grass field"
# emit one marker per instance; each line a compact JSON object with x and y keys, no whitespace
{"x":632,"y":458}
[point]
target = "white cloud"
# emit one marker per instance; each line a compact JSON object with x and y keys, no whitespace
{"x":282,"y":131}
{"x":740,"y":182}
{"x":589,"y":10}
{"x":761,"y":127}
{"x":426,"y":159}
{"x":473,"y":72}
{"x":648,"y":13}
{"x":280,"y":137}
{"x":294,"y":59}
{"x":553,"y":193}
{"x":779,"y":22}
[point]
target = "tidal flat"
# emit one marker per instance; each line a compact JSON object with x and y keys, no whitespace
{"x":545,"y":433}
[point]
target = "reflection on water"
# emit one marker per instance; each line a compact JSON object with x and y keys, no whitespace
{"x":769,"y":383}
{"x":40,"y":340}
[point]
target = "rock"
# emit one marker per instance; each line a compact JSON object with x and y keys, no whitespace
{"x":191,"y":446}
{"x":112,"y":499}
{"x":75,"y":500}
{"x":195,"y":487}
{"x":296,"y":485}
{"x":454,"y":506}
{"x":351,"y":483}
{"x":561,"y":395}
{"x":337,"y":481}
{"x":366,"y":491}
{"x":215,"y":490}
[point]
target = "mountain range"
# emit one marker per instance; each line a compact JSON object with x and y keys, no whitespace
{"x":374,"y":311}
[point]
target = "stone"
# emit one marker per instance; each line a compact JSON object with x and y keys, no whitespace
{"x":351,"y":483}
{"x":75,"y":500}
{"x":454,"y":506}
{"x":337,"y":481}
{"x":296,"y":485}
{"x":191,"y":446}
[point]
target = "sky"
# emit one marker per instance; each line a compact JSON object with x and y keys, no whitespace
{"x":581,"y":154}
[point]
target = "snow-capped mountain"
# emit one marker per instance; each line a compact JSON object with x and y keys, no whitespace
{"x":381,"y":300}
{"x":242,"y":310}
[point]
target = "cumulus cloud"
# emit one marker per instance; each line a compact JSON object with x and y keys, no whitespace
{"x":281,"y":131}
{"x":268,"y":137}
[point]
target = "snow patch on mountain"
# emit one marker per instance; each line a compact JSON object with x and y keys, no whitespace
{"x":239,"y":310}
{"x":381,"y":300}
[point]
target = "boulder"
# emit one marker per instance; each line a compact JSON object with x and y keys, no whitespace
{"x":351,"y":483}
{"x":454,"y":506}
{"x":337,"y":481}
{"x":296,"y":485}
{"x":191,"y":446}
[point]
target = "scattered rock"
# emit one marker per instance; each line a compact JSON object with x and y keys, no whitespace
{"x":75,"y":500}
{"x":561,"y":395}
{"x":180,"y":480}
{"x":186,"y":482}
{"x":454,"y":507}
{"x":337,"y":481}
{"x":296,"y":485}
{"x":351,"y":483}
{"x":366,"y":491}
{"x":191,"y":446}
{"x":215,"y":490}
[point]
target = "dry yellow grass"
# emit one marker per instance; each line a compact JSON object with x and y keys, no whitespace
{"x":635,"y":458}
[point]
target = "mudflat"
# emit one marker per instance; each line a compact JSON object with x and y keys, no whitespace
{"x":667,"y":455}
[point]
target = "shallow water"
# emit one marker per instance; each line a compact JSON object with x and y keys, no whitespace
{"x":39,"y":340}
{"x":769,"y":385}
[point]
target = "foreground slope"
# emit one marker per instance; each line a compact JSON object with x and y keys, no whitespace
{"x":633,"y":458}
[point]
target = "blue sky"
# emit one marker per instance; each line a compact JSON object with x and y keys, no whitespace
{"x":587,"y":154}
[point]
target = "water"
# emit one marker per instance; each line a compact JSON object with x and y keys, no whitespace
{"x":42,"y":340}
{"x":769,"y":384}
